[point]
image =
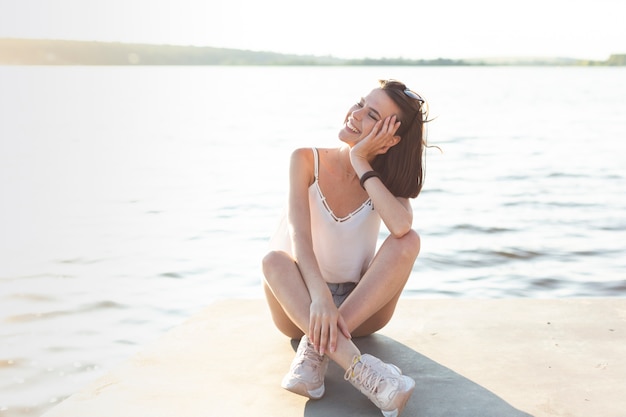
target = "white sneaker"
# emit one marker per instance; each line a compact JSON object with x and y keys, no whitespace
{"x":381,"y":382}
{"x":308,"y":368}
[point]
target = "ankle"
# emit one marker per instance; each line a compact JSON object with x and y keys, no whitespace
{"x":344,"y":354}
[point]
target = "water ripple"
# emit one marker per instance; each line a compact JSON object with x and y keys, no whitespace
{"x":466,"y":227}
{"x":97,"y":306}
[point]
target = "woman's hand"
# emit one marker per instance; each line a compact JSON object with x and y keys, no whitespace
{"x":378,"y":141}
{"x":324,"y":322}
{"x":395,"y":212}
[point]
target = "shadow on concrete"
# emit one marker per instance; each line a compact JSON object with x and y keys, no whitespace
{"x":439,"y":391}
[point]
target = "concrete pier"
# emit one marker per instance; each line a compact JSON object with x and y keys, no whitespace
{"x":470,"y":358}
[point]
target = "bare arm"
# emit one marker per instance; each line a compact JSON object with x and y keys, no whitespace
{"x":396,"y":212}
{"x":324,"y":315}
{"x":300,"y":178}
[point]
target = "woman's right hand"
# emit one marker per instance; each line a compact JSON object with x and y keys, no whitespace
{"x":324,"y":324}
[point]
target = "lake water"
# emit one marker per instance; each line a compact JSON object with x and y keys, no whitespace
{"x":132,"y":197}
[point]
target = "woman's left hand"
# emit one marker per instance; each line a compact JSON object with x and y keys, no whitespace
{"x":379,"y":140}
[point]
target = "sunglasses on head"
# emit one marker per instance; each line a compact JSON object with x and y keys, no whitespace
{"x":412,"y":94}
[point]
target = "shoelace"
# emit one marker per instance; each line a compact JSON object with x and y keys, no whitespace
{"x":311,"y":356}
{"x":365,"y":376}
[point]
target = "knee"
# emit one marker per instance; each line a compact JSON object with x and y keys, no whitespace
{"x":410,"y":244}
{"x":269,"y":260}
{"x":272,"y":263}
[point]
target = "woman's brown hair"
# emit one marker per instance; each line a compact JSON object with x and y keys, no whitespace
{"x":402,"y":167}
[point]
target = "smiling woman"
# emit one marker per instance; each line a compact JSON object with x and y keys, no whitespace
{"x":324,"y":280}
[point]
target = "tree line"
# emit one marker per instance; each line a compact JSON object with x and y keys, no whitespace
{"x":63,"y":52}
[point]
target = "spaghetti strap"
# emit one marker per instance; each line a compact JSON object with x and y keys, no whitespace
{"x":316,"y":164}
{"x":331,"y":235}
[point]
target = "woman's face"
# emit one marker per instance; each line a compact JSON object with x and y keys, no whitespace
{"x":363,"y":115}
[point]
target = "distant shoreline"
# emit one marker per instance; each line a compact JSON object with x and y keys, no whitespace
{"x":64,"y":52}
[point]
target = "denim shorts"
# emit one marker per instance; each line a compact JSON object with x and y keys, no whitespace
{"x":341,"y":291}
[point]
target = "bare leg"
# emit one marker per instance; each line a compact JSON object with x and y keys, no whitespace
{"x":289,"y":301}
{"x":372,"y":303}
{"x":368,"y":308}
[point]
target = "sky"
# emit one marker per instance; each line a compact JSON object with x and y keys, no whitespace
{"x":412,"y":29}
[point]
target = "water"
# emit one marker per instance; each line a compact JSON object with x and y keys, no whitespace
{"x":132,"y":197}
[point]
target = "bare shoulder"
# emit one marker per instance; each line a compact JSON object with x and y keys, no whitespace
{"x":302,"y":157}
{"x":302,"y":163}
{"x":302,"y":154}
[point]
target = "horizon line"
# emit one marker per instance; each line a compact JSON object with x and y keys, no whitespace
{"x":483,"y":57}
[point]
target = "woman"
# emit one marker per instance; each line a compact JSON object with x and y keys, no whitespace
{"x":324,"y":282}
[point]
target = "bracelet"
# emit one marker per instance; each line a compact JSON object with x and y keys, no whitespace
{"x":367,"y":176}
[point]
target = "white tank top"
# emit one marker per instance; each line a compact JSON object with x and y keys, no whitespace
{"x":343,"y":246}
